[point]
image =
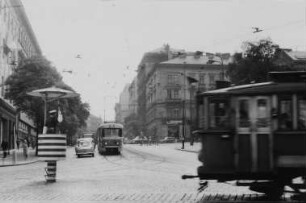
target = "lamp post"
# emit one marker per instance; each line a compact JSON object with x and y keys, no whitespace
{"x":51,"y":147}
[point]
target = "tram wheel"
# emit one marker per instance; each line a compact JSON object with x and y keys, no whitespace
{"x":272,"y":189}
{"x":275,"y":193}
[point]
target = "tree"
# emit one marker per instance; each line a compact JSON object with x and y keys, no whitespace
{"x":132,"y":126}
{"x":255,"y":64}
{"x":36,"y":73}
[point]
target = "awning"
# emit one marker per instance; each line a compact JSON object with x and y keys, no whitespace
{"x":7,"y":111}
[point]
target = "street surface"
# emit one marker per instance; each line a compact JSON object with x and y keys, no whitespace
{"x":140,"y":174}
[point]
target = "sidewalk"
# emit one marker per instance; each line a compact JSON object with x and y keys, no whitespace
{"x":195,"y":148}
{"x":18,"y":159}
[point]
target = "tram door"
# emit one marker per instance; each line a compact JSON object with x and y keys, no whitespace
{"x":254,"y":134}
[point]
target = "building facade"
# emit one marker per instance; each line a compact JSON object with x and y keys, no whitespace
{"x":171,"y":88}
{"x":133,"y":105}
{"x":147,"y":64}
{"x":17,"y":41}
{"x":124,"y":110}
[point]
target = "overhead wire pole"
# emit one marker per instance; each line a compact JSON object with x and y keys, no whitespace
{"x":184,"y":101}
{"x":104,"y":103}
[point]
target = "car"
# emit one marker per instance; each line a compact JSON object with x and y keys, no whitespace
{"x":168,"y":140}
{"x":85,"y":146}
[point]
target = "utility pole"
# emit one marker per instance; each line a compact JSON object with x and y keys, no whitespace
{"x":184,"y":110}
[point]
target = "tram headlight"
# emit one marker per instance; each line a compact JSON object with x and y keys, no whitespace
{"x":105,"y":143}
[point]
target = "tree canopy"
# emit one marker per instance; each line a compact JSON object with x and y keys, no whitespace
{"x":36,"y":73}
{"x":255,"y":64}
{"x":132,"y":126}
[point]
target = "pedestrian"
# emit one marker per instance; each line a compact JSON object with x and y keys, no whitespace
{"x":4,"y":146}
{"x":25,"y":149}
{"x":18,"y":143}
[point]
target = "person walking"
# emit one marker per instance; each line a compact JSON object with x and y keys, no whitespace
{"x":25,"y":149}
{"x":18,"y":143}
{"x":4,"y":146}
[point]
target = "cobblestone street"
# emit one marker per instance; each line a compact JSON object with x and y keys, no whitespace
{"x":141,"y":174}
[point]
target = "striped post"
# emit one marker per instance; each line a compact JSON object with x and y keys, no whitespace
{"x":51,"y":171}
{"x":51,"y":148}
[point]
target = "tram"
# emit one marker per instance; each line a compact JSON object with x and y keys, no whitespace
{"x":109,"y":137}
{"x":255,"y":134}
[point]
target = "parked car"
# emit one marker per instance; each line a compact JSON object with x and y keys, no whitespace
{"x":85,"y":146}
{"x":128,"y":141}
{"x":140,"y":140}
{"x":168,"y":140}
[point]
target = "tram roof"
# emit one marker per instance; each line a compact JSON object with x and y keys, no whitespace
{"x":111,"y":125}
{"x":259,"y":89}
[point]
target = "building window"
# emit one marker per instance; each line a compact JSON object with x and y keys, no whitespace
{"x":212,"y":80}
{"x":176,"y":113}
{"x":172,"y":79}
{"x":172,"y":94}
{"x":202,"y":79}
{"x":173,"y":114}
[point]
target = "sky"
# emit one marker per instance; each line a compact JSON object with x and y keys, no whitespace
{"x":103,"y":41}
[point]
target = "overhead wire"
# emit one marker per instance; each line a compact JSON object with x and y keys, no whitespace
{"x":229,"y":40}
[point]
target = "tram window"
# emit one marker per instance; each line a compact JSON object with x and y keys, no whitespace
{"x":244,"y":117}
{"x":262,"y":113}
{"x":302,"y":113}
{"x":285,"y":117}
{"x":109,"y":132}
{"x":218,"y":114}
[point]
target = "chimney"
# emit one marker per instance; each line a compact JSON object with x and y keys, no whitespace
{"x":181,"y":54}
{"x":168,"y":52}
{"x":198,"y":54}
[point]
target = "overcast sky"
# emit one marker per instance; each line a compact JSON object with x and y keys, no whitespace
{"x":111,"y":36}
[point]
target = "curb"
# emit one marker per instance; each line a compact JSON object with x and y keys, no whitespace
{"x":186,"y":150}
{"x":20,"y":164}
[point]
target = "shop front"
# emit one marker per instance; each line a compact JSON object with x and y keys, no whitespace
{"x":7,"y":124}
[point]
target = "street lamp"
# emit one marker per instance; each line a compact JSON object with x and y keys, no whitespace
{"x":50,"y":146}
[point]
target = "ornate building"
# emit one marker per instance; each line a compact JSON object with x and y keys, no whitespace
{"x":17,"y":41}
{"x":147,"y":64}
{"x":171,"y":88}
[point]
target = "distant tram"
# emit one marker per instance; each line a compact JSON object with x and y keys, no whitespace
{"x":255,"y":134}
{"x":109,"y":137}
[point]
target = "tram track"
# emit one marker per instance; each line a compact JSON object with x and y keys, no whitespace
{"x":141,"y":160}
{"x":145,"y":161}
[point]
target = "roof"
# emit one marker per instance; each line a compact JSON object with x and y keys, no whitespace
{"x":154,"y":57}
{"x":259,"y":89}
{"x":296,"y":55}
{"x":163,"y":49}
{"x":111,"y":125}
{"x":200,"y":59}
